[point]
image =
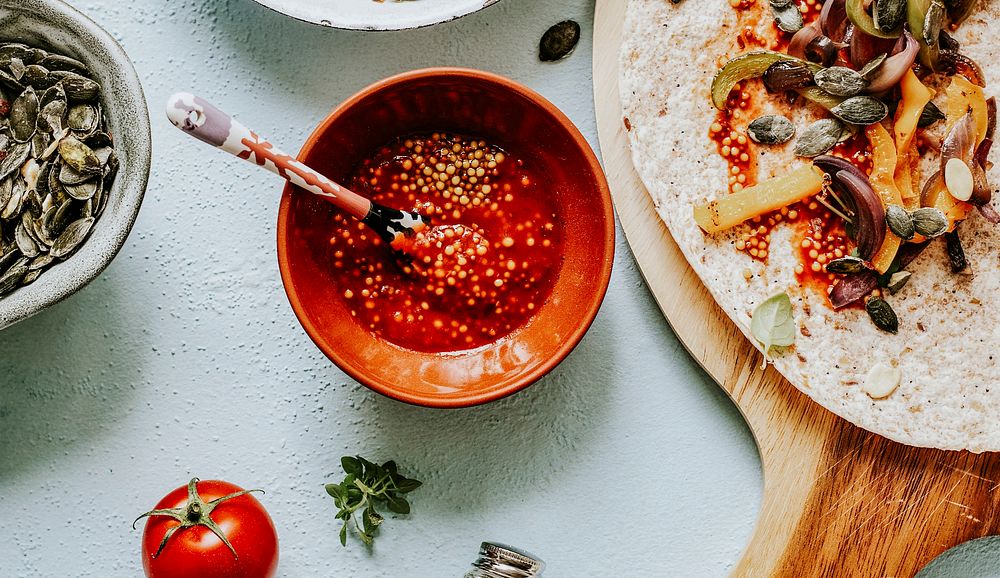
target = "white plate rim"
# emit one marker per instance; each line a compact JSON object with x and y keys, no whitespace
{"x":389,"y":25}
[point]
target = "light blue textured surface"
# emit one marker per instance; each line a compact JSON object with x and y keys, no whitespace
{"x":184,"y":358}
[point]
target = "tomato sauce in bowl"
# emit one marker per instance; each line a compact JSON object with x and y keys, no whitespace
{"x":485,"y":264}
{"x":546,"y":305}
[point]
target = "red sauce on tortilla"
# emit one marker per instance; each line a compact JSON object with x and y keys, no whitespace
{"x":478,"y":273}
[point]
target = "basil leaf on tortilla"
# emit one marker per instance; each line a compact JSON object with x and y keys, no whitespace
{"x":772,"y":323}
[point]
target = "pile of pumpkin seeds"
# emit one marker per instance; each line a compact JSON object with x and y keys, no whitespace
{"x":57,"y":161}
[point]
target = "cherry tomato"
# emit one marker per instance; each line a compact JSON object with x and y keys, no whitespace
{"x":192,"y":518}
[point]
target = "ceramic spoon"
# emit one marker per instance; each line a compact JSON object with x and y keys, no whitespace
{"x":207,"y":123}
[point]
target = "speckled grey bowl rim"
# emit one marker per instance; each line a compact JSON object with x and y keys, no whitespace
{"x":129,"y":125}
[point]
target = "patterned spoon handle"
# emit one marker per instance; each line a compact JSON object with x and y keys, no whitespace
{"x":204,"y":121}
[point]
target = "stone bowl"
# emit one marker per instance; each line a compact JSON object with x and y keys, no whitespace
{"x":53,"y":24}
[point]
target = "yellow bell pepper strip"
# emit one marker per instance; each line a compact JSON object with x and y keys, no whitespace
{"x":772,"y":194}
{"x":962,"y":96}
{"x":881,"y":178}
{"x":915,"y":98}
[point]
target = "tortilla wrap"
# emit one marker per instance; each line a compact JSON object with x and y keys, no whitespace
{"x":947,"y":345}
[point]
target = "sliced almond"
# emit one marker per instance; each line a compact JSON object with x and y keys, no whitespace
{"x":881,"y":381}
{"x":958,"y":179}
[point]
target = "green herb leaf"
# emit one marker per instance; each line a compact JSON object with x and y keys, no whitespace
{"x":351,"y":465}
{"x":772,"y":324}
{"x":368,"y":486}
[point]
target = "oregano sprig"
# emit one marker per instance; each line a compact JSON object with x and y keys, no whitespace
{"x":366,"y":486}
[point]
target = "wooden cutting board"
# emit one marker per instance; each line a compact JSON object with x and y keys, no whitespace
{"x":838,"y":500}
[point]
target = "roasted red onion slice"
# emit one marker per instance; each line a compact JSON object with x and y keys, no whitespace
{"x":797,"y":45}
{"x":960,"y":141}
{"x":932,"y":182}
{"x":833,"y":19}
{"x":869,"y":214}
{"x":893,"y":69}
{"x":832,"y":165}
{"x":865,"y":47}
{"x":989,"y":213}
{"x":854,"y":287}
{"x":981,"y":191}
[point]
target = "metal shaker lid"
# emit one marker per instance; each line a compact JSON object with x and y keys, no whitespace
{"x":513,"y":561}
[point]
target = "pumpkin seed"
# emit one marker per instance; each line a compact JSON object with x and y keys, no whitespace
{"x":787,"y":16}
{"x":38,"y":76}
{"x":868,"y":71}
{"x":15,"y":158}
{"x":79,"y":157}
{"x":933,"y":22}
{"x":929,"y":222}
{"x":25,"y":243}
{"x":30,"y":277}
{"x":60,"y":62}
{"x":958,"y":179}
{"x":882,"y":315}
{"x":889,"y":14}
{"x":847,"y":265}
{"x":82,"y":118}
{"x":10,"y":279}
{"x":840,"y":81}
{"x":41,"y":262}
{"x":819,"y":137}
{"x":71,"y":238}
{"x":861,"y":110}
{"x":559,"y":41}
{"x":78,"y":88}
{"x":771,"y":129}
{"x":897,"y":280}
{"x":930,"y":115}
{"x":899,"y":222}
{"x":24,"y":115}
{"x":83,"y":191}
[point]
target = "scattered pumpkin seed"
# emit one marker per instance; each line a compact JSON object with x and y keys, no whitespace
{"x":958,"y":179}
{"x":889,"y":14}
{"x":840,"y":81}
{"x":848,"y":265}
{"x":929,"y":222}
{"x":861,"y":110}
{"x":930,"y":115}
{"x":899,"y":222}
{"x":786,"y":15}
{"x":897,"y":280}
{"x":868,"y":71}
{"x":933,"y":22}
{"x":882,"y":380}
{"x":882,"y":315}
{"x":819,"y":137}
{"x":771,"y":129}
{"x":559,"y":41}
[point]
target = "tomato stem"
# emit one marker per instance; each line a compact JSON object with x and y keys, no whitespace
{"x":196,"y":512}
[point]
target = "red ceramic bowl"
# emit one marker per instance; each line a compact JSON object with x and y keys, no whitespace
{"x":481,"y":105}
